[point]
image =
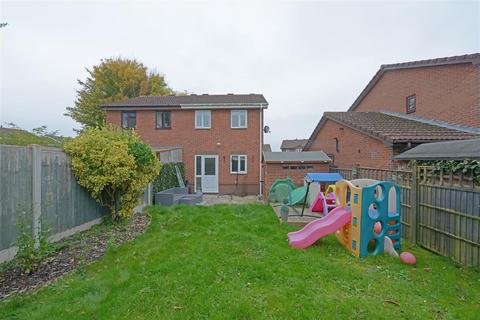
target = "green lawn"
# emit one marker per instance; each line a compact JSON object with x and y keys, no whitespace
{"x":233,"y":262}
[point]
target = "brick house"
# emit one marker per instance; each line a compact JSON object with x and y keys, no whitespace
{"x":293,"y":145}
{"x":405,"y":104}
{"x":446,"y":89}
{"x":372,"y":139}
{"x":218,"y":137}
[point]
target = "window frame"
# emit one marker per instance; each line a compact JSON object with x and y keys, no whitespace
{"x":238,"y":164}
{"x":163,"y":127}
{"x":407,"y":109}
{"x":203,"y":112}
{"x":129,"y":113}
{"x":337,"y":144}
{"x":239,"y":111}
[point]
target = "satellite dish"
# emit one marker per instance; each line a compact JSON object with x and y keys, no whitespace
{"x":266,"y":129}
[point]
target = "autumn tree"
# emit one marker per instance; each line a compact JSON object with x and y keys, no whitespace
{"x":113,"y":80}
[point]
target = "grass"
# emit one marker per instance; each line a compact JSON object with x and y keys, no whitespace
{"x":24,"y":138}
{"x":233,"y":262}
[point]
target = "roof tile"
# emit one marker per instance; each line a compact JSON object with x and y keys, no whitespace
{"x":192,"y":99}
{"x":305,"y":156}
{"x":293,"y":143}
{"x":393,"y":129}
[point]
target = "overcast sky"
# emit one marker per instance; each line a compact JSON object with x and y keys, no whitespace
{"x":305,"y":57}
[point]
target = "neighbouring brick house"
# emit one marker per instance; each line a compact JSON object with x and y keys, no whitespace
{"x":218,"y":137}
{"x":372,"y":139}
{"x":294,"y":145}
{"x":404,"y":105}
{"x":279,"y":165}
{"x":446,"y":89}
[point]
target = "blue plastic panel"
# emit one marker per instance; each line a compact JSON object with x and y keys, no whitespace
{"x":324,"y":177}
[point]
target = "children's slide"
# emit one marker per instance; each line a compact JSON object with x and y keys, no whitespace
{"x":319,"y":228}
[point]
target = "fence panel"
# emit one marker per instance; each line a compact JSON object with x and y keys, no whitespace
{"x":65,"y":204}
{"x":42,"y":173}
{"x":346,"y":173}
{"x":15,"y":190}
{"x":449,"y":215}
{"x":169,"y":156}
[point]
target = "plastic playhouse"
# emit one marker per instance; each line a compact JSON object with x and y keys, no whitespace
{"x":366,"y":219}
{"x":323,"y":203}
{"x":321,"y":182}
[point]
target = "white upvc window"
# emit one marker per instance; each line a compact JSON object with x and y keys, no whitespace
{"x":239,"y":119}
{"x":203,"y":119}
{"x":238,"y":164}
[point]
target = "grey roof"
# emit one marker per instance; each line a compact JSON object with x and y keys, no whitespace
{"x":391,"y":128}
{"x":190,"y":100}
{"x":434,"y":122}
{"x":451,"y":150}
{"x":305,"y":156}
{"x":293,"y":143}
{"x":467,"y":58}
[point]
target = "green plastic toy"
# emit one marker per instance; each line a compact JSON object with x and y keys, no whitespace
{"x":280,"y":190}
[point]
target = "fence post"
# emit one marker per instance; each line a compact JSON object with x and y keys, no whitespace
{"x":414,"y":204}
{"x":150,"y":189}
{"x":36,"y":192}
{"x":355,"y":173}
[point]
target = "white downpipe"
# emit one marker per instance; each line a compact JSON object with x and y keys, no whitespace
{"x":261,"y":151}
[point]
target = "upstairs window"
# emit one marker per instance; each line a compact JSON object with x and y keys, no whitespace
{"x":203,"y":119}
{"x":337,"y":145}
{"x":411,"y":103}
{"x":129,"y":120}
{"x":164,"y":120}
{"x":239,"y":119}
{"x":238,"y":164}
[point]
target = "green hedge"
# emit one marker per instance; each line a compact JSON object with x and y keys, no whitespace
{"x":168,"y":177}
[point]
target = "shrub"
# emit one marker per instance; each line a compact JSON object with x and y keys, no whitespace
{"x":114,"y":166}
{"x":468,"y":167}
{"x":168,"y":176}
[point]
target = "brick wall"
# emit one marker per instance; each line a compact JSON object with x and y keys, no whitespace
{"x":355,"y":148}
{"x":205,"y":141}
{"x":274,"y":171}
{"x":449,"y":93}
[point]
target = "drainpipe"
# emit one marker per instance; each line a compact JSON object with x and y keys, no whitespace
{"x":261,"y":151}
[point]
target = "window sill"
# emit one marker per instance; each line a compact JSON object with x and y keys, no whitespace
{"x":237,"y":128}
{"x":203,"y":128}
{"x":164,"y":128}
{"x":238,"y":173}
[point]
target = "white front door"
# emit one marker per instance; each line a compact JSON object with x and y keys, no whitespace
{"x":206,"y":173}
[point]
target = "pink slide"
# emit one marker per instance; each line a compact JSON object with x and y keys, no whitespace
{"x":319,"y":228}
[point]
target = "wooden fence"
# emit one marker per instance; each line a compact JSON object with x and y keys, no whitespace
{"x":38,"y":180}
{"x":170,"y":155}
{"x":440,"y":210}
